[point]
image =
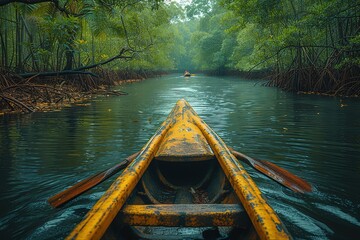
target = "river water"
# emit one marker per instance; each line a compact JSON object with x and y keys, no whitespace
{"x":314,"y":137}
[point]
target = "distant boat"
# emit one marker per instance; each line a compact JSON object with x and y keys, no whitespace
{"x":187,"y":74}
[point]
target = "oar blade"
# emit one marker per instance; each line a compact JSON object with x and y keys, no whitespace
{"x":88,"y":183}
{"x":283,"y":176}
{"x":276,"y":173}
{"x":79,"y":188}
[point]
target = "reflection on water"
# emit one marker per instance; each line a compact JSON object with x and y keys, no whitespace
{"x":317,"y":138}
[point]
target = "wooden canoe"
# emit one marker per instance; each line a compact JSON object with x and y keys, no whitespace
{"x":184,"y":184}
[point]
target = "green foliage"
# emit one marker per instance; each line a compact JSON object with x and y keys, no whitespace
{"x":244,"y":51}
{"x":205,"y":35}
{"x":85,"y":32}
{"x":180,"y":51}
{"x":199,"y":8}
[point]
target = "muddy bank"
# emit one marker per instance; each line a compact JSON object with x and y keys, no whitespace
{"x":51,"y":93}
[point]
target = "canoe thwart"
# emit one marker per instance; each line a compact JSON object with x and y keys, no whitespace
{"x":184,"y":215}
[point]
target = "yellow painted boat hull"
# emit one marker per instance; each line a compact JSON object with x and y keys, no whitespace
{"x":184,"y":184}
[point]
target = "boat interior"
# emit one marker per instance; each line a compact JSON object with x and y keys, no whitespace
{"x":182,"y":199}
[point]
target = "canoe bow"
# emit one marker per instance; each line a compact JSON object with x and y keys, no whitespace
{"x":266,"y":222}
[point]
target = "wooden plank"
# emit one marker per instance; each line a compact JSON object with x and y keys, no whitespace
{"x":184,"y":215}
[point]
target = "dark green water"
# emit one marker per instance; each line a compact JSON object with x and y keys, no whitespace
{"x":317,"y":138}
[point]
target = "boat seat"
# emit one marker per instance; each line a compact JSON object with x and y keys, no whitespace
{"x":185,"y":143}
{"x":184,"y":215}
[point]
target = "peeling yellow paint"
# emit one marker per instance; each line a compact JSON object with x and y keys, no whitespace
{"x":184,"y":142}
{"x":183,"y":135}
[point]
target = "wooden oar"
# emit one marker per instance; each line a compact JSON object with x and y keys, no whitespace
{"x":84,"y":185}
{"x":276,"y":173}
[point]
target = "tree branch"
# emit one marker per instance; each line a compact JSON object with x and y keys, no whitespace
{"x":17,"y":102}
{"x":4,"y":2}
{"x":58,"y":73}
{"x":120,"y":55}
{"x":80,"y":70}
{"x":55,"y":2}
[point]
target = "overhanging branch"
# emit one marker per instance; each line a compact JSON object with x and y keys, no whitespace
{"x":80,"y":70}
{"x":5,"y":2}
{"x":119,"y":56}
{"x":55,"y":2}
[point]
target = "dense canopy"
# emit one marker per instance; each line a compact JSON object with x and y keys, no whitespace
{"x":304,"y":45}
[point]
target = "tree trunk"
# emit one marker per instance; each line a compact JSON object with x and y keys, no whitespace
{"x":69,"y":54}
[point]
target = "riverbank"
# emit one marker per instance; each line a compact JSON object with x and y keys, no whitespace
{"x":340,"y":84}
{"x":52,"y":93}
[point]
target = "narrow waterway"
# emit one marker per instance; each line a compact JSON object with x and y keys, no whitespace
{"x":315,"y":137}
